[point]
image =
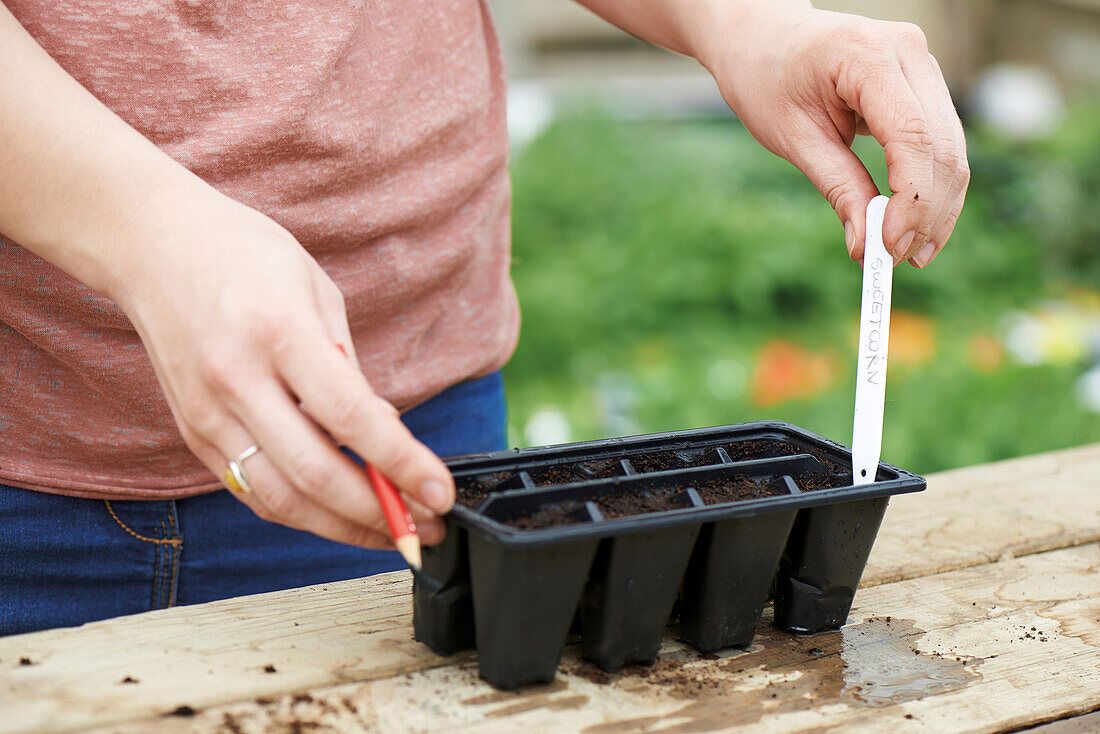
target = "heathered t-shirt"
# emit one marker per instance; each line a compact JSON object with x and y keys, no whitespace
{"x":373,"y":130}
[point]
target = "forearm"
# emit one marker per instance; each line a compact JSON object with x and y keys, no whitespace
{"x":686,"y":26}
{"x":78,"y":186}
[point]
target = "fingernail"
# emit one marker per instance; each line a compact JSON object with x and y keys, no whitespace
{"x":849,"y":237}
{"x":924,"y":257}
{"x":902,"y":247}
{"x":435,"y":496}
{"x":898,"y":260}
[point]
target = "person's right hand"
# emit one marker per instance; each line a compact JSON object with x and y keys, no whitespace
{"x":245,"y":331}
{"x":805,"y":82}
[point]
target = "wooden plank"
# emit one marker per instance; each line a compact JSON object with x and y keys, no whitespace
{"x":207,"y":653}
{"x":359,"y":630}
{"x":983,"y":649}
{"x":1084,"y":724}
{"x":980,"y":514}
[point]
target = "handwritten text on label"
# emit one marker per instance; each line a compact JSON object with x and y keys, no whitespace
{"x":874,"y":336}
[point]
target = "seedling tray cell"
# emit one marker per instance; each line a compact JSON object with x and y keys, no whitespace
{"x":605,"y":537}
{"x":631,"y":588}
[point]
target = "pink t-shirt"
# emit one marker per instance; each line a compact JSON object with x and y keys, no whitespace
{"x":374,"y":131}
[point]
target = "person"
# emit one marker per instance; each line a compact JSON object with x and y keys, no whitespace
{"x":240,"y":233}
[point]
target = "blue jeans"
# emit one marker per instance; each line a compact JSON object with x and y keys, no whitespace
{"x":65,"y":561}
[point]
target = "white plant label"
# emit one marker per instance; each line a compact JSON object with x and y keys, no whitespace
{"x":874,"y":340}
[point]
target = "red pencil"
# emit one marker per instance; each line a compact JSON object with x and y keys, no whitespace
{"x":397,"y":515}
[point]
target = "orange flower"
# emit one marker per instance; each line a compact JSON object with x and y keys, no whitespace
{"x":985,"y":352}
{"x":912,"y":339}
{"x":785,"y":371}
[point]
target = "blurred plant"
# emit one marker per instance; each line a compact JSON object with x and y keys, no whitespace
{"x":1047,"y":191}
{"x":655,"y":260}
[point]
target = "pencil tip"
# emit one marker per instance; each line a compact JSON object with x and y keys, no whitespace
{"x":409,"y":547}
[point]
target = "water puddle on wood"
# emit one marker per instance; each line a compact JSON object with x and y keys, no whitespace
{"x":882,"y":666}
{"x":874,"y":663}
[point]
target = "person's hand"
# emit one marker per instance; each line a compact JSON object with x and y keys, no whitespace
{"x":805,"y":82}
{"x":246,"y":332}
{"x":243,"y":327}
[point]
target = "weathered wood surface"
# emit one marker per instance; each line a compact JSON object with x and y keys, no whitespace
{"x":983,"y":649}
{"x":320,"y":637}
{"x":980,"y":514}
{"x":209,"y":653}
{"x":1083,"y":724}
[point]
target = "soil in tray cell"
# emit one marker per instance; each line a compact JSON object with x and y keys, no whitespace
{"x":672,"y":459}
{"x":764,"y":448}
{"x":652,"y":500}
{"x":555,"y":515}
{"x":472,"y":491}
{"x":812,"y":482}
{"x":567,"y":473}
{"x":838,"y":475}
{"x":738,"y":489}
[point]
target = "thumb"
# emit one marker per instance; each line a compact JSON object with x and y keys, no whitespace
{"x":841,"y":178}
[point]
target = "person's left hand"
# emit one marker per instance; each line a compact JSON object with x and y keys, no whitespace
{"x":805,"y":82}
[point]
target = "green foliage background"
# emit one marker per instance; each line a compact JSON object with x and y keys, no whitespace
{"x":657,"y":257}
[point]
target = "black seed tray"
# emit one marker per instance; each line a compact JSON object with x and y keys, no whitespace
{"x":604,"y":538}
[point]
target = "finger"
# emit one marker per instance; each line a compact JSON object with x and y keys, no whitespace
{"x":313,"y":464}
{"x":919,"y":75}
{"x":952,"y":171}
{"x":881,"y":95}
{"x":841,"y":178}
{"x":417,"y":511}
{"x":272,"y":498}
{"x":340,"y":400}
{"x":428,"y":525}
{"x":946,"y":135}
{"x":939,"y":240}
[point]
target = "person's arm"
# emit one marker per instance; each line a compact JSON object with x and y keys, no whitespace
{"x":240,"y":322}
{"x":805,"y":82}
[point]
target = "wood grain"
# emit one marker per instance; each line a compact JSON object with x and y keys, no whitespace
{"x":1083,"y":724}
{"x":982,"y":513}
{"x":983,"y":649}
{"x":209,"y":653}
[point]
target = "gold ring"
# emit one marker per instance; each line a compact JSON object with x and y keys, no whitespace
{"x":235,"y":477}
